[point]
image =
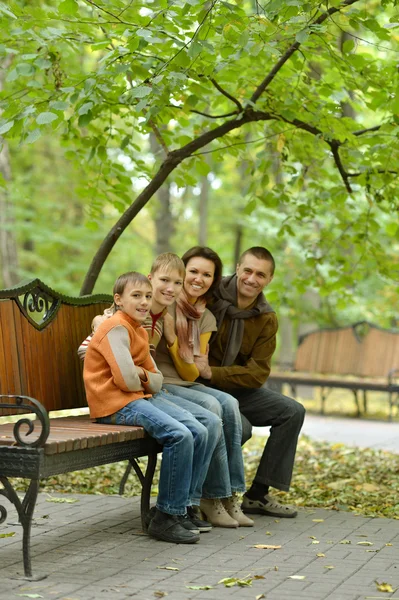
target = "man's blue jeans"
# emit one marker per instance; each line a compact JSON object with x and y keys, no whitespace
{"x":185,"y":444}
{"x":226,"y":470}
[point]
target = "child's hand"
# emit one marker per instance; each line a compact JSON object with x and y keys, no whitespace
{"x":202,"y":364}
{"x":169,"y":329}
{"x":96,"y":322}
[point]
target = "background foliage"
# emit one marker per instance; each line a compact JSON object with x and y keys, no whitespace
{"x":304,"y":98}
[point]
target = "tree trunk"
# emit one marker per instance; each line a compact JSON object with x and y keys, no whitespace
{"x":8,"y":244}
{"x":163,"y":219}
{"x":164,"y":224}
{"x":203,"y":211}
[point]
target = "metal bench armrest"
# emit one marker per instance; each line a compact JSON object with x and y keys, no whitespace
{"x":28,"y":404}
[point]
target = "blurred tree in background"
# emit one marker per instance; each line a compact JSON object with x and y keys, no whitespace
{"x":227,"y":123}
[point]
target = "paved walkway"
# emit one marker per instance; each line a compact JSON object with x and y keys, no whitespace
{"x":362,"y":433}
{"x":92,"y":549}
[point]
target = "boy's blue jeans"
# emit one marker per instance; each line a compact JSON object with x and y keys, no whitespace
{"x":188,"y":446}
{"x":226,"y":470}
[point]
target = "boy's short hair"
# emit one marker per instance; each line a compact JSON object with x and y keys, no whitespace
{"x":168,"y":262}
{"x":260,"y":253}
{"x":132,"y":277}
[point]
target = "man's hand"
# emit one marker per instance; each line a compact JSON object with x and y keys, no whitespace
{"x":202,"y":364}
{"x":169,"y":329}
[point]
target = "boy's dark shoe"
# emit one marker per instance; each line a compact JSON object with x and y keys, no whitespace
{"x":169,"y":528}
{"x":267,"y":505}
{"x":185,"y":520}
{"x":202,"y":526}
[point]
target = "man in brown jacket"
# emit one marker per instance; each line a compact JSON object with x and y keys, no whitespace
{"x":239,"y":360}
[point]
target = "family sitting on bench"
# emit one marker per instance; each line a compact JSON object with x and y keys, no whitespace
{"x":208,"y":334}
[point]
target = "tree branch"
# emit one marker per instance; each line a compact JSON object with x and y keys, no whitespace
{"x":334,"y":145}
{"x":363,"y":131}
{"x":101,"y":9}
{"x":373,"y":172}
{"x":198,"y":112}
{"x":158,"y":135}
{"x":229,"y":96}
{"x":293,"y":48}
{"x":173,"y":159}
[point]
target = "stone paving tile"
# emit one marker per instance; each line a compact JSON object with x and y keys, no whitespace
{"x":94,"y":549}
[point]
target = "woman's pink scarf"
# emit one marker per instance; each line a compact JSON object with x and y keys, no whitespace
{"x":187,"y":326}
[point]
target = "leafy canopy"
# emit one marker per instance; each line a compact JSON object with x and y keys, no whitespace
{"x":319,"y":80}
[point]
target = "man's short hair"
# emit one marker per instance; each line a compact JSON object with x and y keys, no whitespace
{"x":168,"y":262}
{"x":260,"y":253}
{"x":133,"y":278}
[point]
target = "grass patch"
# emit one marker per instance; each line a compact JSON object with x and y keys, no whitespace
{"x":363,"y":481}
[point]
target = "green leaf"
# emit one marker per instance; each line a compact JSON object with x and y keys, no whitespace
{"x":302,"y":36}
{"x":6,"y":11}
{"x":7,"y":535}
{"x":85,"y":119}
{"x":102,"y":152}
{"x":46,"y":117}
{"x":348,"y":46}
{"x":84,"y":109}
{"x":6,"y":127}
{"x":68,"y":7}
{"x":141,"y":91}
{"x":391,"y":229}
{"x":59,"y":105}
{"x":33,"y":136}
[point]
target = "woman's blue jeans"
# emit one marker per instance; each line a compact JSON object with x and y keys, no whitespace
{"x":226,"y":470}
{"x":185,"y":447}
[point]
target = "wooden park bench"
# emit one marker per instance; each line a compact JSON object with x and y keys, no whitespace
{"x":361,"y":357}
{"x":40,"y":372}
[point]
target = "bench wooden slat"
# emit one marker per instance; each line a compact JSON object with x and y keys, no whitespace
{"x":77,"y":433}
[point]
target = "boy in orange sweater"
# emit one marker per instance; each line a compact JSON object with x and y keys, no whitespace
{"x":120,"y":377}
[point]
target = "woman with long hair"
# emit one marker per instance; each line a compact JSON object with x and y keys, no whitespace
{"x":187,"y":331}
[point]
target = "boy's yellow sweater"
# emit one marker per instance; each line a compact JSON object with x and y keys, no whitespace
{"x":111,"y":379}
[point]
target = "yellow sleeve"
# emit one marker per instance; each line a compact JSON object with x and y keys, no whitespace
{"x":188,"y":372}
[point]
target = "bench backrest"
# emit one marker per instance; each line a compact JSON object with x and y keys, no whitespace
{"x":362,"y":349}
{"x":40,"y":331}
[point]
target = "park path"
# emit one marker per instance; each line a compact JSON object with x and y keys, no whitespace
{"x":92,"y":548}
{"x":362,"y":433}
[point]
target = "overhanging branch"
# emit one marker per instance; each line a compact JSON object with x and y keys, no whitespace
{"x":293,"y":48}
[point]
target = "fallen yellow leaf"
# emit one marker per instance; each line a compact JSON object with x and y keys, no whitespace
{"x":329,"y":567}
{"x":318,"y":520}
{"x":368,"y":487}
{"x":365,"y":544}
{"x":260,"y":596}
{"x":296,"y":576}
{"x":169,"y":568}
{"x":320,"y":555}
{"x":265,"y":547}
{"x":384,"y":587}
{"x":315,"y":542}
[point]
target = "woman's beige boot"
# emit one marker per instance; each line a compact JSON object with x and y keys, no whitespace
{"x":216,"y":513}
{"x":233,"y":507}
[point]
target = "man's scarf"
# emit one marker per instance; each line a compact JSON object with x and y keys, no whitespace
{"x":226,"y":305}
{"x":187,"y":326}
